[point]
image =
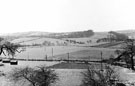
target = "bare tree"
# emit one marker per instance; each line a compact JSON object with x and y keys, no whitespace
{"x":45,"y":76}
{"x":127,"y":53}
{"x":9,"y":47}
{"x":95,"y":77}
{"x":23,"y":74}
{"x":40,"y":76}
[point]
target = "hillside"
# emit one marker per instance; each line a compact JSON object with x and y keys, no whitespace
{"x":39,"y":41}
{"x":76,"y":34}
{"x":81,"y":41}
{"x":79,"y":38}
{"x":130,"y":33}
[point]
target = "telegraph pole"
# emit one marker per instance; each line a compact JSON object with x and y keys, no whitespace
{"x":101,"y":61}
{"x":45,"y":48}
{"x":28,"y":55}
{"x":52,"y":52}
{"x":68,"y":56}
{"x":46,"y":57}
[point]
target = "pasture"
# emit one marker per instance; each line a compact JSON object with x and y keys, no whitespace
{"x":61,"y":52}
{"x":67,"y":77}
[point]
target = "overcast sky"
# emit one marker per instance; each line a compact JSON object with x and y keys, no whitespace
{"x":66,"y":15}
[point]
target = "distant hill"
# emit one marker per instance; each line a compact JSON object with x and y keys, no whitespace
{"x":130,"y":33}
{"x":27,"y":34}
{"x":77,"y":34}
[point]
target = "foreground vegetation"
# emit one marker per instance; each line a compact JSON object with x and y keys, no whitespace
{"x":96,"y":77}
{"x":41,"y":76}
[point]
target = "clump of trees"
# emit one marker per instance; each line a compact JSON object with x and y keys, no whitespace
{"x":113,"y":37}
{"x":118,"y":36}
{"x":48,"y":43}
{"x":40,"y":76}
{"x":96,"y":77}
{"x":77,"y":34}
{"x":75,"y":42}
{"x":80,"y":34}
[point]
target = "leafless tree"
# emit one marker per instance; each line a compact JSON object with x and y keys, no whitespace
{"x":40,"y":76}
{"x":95,"y":77}
{"x":45,"y":76}
{"x":9,"y":47}
{"x":127,"y":53}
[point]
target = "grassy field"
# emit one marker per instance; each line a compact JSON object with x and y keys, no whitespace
{"x":41,"y":52}
{"x":7,"y":67}
{"x":65,"y":65}
{"x":24,"y":39}
{"x":60,"y":52}
{"x":67,"y":76}
{"x":88,"y":54}
{"x":4,"y":81}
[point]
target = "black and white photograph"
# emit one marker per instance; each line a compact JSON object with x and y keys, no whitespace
{"x":67,"y":42}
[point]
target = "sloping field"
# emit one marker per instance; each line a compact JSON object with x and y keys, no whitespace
{"x":94,"y":38}
{"x":88,"y":54}
{"x":98,"y":35}
{"x":24,"y":39}
{"x":41,"y":52}
{"x":41,"y":40}
{"x":61,"y":52}
{"x":107,"y":45}
{"x":36,"y":40}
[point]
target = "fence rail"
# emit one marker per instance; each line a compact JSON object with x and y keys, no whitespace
{"x":83,"y":61}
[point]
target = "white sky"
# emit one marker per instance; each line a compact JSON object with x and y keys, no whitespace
{"x":66,"y":15}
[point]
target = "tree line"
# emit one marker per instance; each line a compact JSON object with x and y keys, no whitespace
{"x":114,"y":37}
